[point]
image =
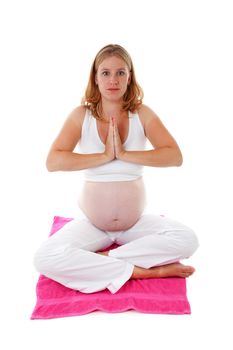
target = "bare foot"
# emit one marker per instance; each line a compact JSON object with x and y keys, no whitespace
{"x":175,"y":270}
{"x":170,"y":270}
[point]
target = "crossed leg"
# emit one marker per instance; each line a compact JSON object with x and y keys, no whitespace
{"x":153,"y":235}
{"x":151,"y":248}
{"x":169,"y":270}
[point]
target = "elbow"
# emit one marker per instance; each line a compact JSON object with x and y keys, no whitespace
{"x":50,"y":168}
{"x":179,"y":159}
{"x":176,"y":158}
{"x":51,"y":164}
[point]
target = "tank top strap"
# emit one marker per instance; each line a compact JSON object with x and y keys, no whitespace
{"x":86,"y":120}
{"x":136,"y":121}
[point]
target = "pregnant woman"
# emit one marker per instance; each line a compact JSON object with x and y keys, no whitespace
{"x":110,"y":130}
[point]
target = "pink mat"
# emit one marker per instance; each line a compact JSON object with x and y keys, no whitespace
{"x":157,"y":295}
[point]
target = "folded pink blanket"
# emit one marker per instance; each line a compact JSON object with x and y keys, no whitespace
{"x":157,"y":295}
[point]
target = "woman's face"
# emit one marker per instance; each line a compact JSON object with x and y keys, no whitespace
{"x":113,"y":78}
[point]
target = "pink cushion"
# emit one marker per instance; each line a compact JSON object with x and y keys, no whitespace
{"x":157,"y":295}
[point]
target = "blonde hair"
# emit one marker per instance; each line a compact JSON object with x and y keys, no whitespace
{"x":133,"y":96}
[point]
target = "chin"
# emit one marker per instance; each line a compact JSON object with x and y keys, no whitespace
{"x":116,"y":98}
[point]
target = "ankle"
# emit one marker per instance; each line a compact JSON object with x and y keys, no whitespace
{"x":140,"y":272}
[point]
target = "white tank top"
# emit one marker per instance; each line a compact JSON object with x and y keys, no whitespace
{"x":116,"y":170}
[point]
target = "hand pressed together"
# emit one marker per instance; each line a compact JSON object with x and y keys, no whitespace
{"x":114,"y":148}
{"x":118,"y":146}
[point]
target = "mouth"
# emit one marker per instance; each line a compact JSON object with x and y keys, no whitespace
{"x":113,"y":89}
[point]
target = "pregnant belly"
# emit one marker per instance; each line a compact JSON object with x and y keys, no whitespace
{"x":113,"y":206}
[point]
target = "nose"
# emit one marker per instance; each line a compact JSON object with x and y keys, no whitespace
{"x":114,"y":80}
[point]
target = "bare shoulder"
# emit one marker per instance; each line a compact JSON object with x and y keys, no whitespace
{"x":70,"y":133}
{"x":146,"y":115}
{"x":77,"y":115}
{"x":155,"y":130}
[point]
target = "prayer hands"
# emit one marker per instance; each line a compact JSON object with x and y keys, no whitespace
{"x":114,"y":148}
{"x":118,"y":147}
{"x":109,"y":146}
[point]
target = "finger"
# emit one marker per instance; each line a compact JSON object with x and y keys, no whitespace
{"x":111,"y":133}
{"x":114,"y":121}
{"x":111,"y":128}
{"x":114,"y":124}
{"x":116,"y":131}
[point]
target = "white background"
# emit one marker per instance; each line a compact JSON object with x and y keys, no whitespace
{"x":182,"y":52}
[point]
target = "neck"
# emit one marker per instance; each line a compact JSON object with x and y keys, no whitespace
{"x":112,"y":109}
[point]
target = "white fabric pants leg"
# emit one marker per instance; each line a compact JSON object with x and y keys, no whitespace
{"x":69,"y":257}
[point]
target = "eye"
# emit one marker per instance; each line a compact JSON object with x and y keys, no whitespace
{"x":105,"y":73}
{"x":121,"y":72}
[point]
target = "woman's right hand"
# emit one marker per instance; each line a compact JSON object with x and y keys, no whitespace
{"x":109,"y":146}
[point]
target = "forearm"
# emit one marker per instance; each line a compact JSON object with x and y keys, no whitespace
{"x":161,"y":157}
{"x":70,"y":161}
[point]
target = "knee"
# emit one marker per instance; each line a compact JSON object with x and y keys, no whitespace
{"x":44,"y":258}
{"x":39,"y":260}
{"x":190,"y":243}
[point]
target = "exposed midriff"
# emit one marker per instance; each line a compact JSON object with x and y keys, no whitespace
{"x":113,"y":206}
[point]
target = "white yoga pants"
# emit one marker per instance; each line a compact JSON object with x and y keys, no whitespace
{"x":69,"y":257}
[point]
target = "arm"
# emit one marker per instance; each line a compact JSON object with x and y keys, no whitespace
{"x":61,"y":155}
{"x":166,"y":151}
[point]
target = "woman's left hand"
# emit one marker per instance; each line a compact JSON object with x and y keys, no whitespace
{"x":119,"y":149}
